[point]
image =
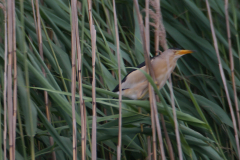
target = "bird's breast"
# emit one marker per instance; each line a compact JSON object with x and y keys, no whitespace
{"x":163,"y":70}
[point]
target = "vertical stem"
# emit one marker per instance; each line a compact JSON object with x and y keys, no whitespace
{"x":154,"y":139}
{"x":74,"y":20}
{"x":34,"y":14}
{"x":82,"y":106}
{"x":148,"y":49}
{"x":9,"y":76}
{"x":232,"y":63}
{"x":175,"y":121}
{"x":163,"y":43}
{"x":92,"y":31}
{"x":120,"y":85}
{"x":162,"y":32}
{"x":39,"y":35}
{"x":94,"y":117}
{"x":14,"y":80}
{"x":169,"y":145}
{"x":94,"y":120}
{"x":5,"y":83}
{"x":160,"y":37}
{"x":156,"y":34}
{"x":90,"y":14}
{"x":151,"y":91}
{"x":23,"y":49}
{"x":84,"y":141}
{"x":223,"y":77}
{"x":80,"y":91}
{"x":147,"y":32}
{"x":149,"y":148}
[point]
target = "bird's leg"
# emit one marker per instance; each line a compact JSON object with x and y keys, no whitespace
{"x":157,"y":84}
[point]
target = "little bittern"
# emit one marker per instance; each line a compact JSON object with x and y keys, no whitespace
{"x":135,"y":84}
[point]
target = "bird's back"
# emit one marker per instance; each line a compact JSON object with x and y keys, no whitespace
{"x":140,"y":66}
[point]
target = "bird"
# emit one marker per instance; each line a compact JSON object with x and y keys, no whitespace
{"x":135,"y":83}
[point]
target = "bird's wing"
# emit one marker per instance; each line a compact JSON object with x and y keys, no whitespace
{"x":133,"y":76}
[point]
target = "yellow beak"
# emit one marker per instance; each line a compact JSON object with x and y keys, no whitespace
{"x":182,"y":52}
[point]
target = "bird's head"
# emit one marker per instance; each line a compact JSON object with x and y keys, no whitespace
{"x":176,"y":53}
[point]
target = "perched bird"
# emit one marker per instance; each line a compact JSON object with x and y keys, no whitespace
{"x":135,"y":84}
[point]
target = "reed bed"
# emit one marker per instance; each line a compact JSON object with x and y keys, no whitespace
{"x":60,"y":61}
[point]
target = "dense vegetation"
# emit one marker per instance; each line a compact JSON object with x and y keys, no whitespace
{"x":203,"y":114}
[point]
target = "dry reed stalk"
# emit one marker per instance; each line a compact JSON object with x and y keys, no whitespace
{"x":160,"y":139}
{"x":93,"y":38}
{"x":148,"y":49}
{"x":94,"y":117}
{"x":157,"y":23}
{"x":79,"y":6}
{"x":40,"y":47}
{"x":9,"y":76}
{"x":85,"y":130}
{"x":223,"y":77}
{"x":232,"y":63}
{"x":151,"y":92}
{"x":147,"y":62}
{"x":175,"y":121}
{"x":83,"y":112}
{"x":90,"y":13}
{"x":169,"y":144}
{"x":160,"y":38}
{"x":14,"y":80}
{"x":147,"y":31}
{"x":120,"y":84}
{"x":149,"y":157}
{"x":34,"y":14}
{"x":5,"y":83}
{"x":80,"y":91}
{"x":160,"y":33}
{"x":154,"y":139}
{"x":73,"y":90}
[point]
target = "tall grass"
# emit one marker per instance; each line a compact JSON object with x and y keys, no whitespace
{"x":203,"y":93}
